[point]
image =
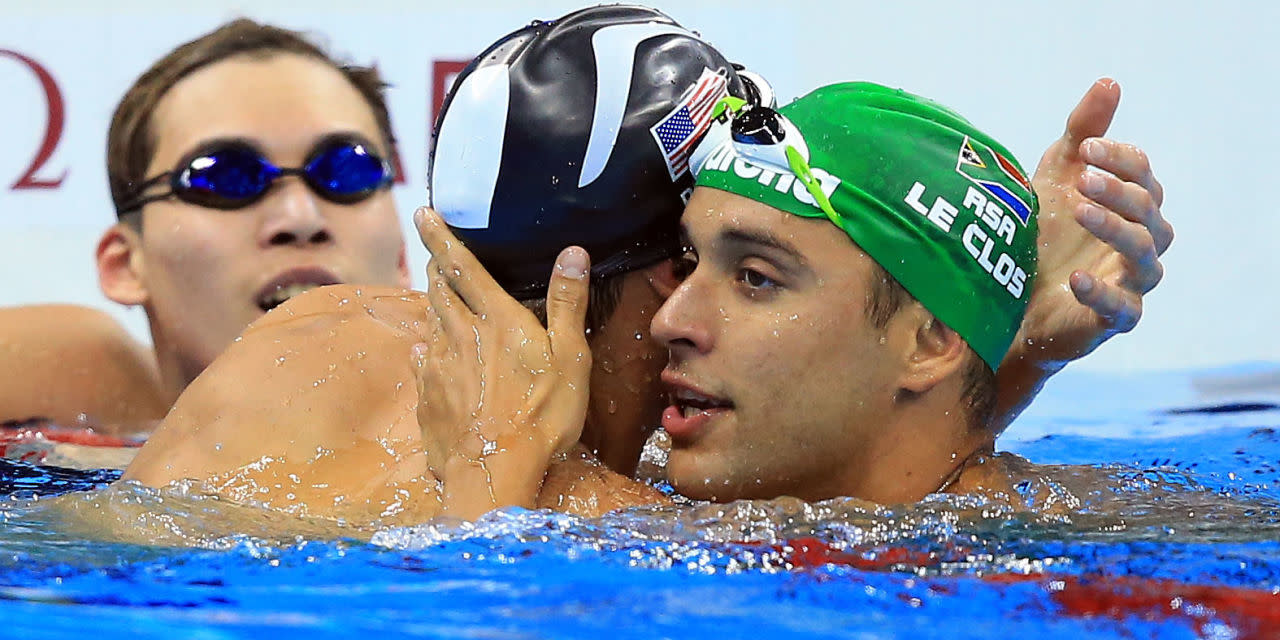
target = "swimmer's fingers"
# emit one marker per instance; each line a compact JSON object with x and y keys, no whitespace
{"x":441,"y":412}
{"x":1117,"y":306}
{"x":1132,"y":191}
{"x":567,"y":311}
{"x":445,"y":345}
{"x":1139,"y":266}
{"x":439,"y":349}
{"x":426,"y":360}
{"x":563,"y":413}
{"x":1092,"y":115}
{"x":453,"y":315}
{"x":459,"y":266}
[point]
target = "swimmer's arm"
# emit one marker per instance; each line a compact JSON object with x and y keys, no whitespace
{"x":74,"y":365}
{"x":1101,"y":238}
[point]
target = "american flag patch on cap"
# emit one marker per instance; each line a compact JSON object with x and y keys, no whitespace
{"x":679,"y":131}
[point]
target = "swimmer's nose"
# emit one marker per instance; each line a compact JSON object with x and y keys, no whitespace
{"x":293,"y":215}
{"x":680,"y":322}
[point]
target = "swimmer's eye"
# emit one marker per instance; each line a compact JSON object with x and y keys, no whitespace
{"x":684,"y":264}
{"x":756,"y":280}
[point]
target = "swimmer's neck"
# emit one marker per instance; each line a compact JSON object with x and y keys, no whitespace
{"x":921,"y":446}
{"x":615,"y":441}
{"x":176,"y":370}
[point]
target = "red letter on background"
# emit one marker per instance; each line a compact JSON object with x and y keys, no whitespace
{"x":52,"y":131}
{"x":443,"y":73}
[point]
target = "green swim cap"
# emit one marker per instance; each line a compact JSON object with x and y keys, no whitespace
{"x":941,"y":206}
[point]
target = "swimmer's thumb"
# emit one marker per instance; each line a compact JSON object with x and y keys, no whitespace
{"x":418,"y":360}
{"x":567,"y":310}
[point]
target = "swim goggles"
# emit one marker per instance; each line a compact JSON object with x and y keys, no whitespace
{"x":233,"y":174}
{"x":765,"y":138}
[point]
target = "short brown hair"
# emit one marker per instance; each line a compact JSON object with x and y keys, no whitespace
{"x":130,"y":140}
{"x":979,"y":393}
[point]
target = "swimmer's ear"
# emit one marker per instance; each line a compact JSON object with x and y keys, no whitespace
{"x":935,"y":352}
{"x":664,"y":278}
{"x":121,"y":268}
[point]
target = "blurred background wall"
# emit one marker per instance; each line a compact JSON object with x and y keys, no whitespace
{"x":1200,"y":84}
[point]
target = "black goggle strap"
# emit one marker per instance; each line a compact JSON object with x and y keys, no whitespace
{"x":137,"y":200}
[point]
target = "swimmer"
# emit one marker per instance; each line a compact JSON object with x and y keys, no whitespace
{"x":845,"y":306}
{"x":328,"y":428}
{"x":206,"y":240}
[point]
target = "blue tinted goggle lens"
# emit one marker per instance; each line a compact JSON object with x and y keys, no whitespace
{"x":225,"y":178}
{"x":349,"y":170}
{"x":235,"y":176}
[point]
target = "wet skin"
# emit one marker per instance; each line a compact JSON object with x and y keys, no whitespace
{"x":328,"y":427}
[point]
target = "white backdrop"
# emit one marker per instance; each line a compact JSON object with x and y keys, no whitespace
{"x":1200,"y":92}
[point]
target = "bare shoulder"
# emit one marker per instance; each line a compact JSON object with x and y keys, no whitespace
{"x":314,"y":402}
{"x":390,"y":306}
{"x":76,"y":363}
{"x":582,"y":485}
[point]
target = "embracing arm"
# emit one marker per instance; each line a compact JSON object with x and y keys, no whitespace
{"x":502,"y":400}
{"x":1101,"y":238}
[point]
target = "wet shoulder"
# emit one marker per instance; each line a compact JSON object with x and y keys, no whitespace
{"x":395,"y":308}
{"x":584,"y":486}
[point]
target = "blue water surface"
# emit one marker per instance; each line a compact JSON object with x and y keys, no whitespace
{"x":1190,"y":551}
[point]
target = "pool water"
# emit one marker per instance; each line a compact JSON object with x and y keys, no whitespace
{"x":1160,"y":518}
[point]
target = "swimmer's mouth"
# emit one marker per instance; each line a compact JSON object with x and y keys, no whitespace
{"x":292,"y":283}
{"x":691,"y":403}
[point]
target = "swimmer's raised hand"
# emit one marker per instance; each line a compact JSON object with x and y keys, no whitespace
{"x":498,"y":394}
{"x":1101,"y":238}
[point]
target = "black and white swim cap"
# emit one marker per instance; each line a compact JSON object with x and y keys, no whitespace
{"x":576,"y":131}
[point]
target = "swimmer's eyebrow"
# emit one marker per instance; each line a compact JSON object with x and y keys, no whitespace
{"x":764,"y":239}
{"x":208,"y":144}
{"x":256,"y":144}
